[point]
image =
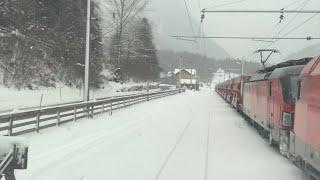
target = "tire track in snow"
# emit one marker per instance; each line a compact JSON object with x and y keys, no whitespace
{"x":207,"y":150}
{"x":58,"y":155}
{"x":172,"y":151}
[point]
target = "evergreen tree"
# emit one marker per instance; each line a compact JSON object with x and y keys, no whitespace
{"x":139,"y":59}
{"x":44,"y":42}
{"x":148,"y":67}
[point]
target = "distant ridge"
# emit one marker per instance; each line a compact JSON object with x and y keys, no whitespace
{"x":168,"y":21}
{"x":310,"y":51}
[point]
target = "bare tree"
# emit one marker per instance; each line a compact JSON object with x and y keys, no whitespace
{"x":124,"y":11}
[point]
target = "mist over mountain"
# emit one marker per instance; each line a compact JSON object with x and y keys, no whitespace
{"x":169,"y":17}
{"x":205,"y":66}
{"x":310,"y":51}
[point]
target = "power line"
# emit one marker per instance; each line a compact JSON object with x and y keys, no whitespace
{"x":185,"y":39}
{"x":227,"y":4}
{"x":296,"y":27}
{"x":303,"y":5}
{"x":291,"y":4}
{"x":249,"y":38}
{"x":203,"y":41}
{"x":263,"y":11}
{"x":300,"y":7}
{"x":189,"y":17}
{"x":199,"y":5}
{"x":187,"y":9}
{"x":300,"y":25}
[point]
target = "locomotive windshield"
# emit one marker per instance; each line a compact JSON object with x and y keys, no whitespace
{"x":290,"y":88}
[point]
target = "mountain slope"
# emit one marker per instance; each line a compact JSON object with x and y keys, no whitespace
{"x":168,"y":18}
{"x":310,"y":51}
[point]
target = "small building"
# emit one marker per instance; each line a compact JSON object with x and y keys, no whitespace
{"x":186,"y":78}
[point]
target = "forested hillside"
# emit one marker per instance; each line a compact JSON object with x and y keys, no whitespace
{"x":43,"y":42}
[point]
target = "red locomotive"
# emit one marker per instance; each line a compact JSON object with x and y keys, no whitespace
{"x":283,"y":103}
{"x":269,"y":101}
{"x":305,"y":138}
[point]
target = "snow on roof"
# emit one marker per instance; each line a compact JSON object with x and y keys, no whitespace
{"x":190,"y":71}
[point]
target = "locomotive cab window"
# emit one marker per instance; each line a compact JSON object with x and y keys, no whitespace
{"x":290,"y":89}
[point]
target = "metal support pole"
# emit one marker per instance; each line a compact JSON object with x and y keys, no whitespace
{"x":10,"y":130}
{"x":242,"y":74}
{"x":148,"y":91}
{"x":75,"y":114}
{"x":242,"y":66}
{"x":38,"y":121}
{"x":58,"y":118}
{"x":87,"y":58}
{"x":111,"y":107}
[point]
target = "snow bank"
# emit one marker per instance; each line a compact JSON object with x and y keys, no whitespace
{"x":12,"y":99}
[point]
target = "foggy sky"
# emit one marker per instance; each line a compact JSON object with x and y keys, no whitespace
{"x":257,"y":25}
{"x":169,"y":17}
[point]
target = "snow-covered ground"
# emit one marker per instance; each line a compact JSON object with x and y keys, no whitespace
{"x":164,"y":139}
{"x":14,"y":99}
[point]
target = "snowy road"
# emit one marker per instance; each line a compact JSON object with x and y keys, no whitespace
{"x":165,"y":139}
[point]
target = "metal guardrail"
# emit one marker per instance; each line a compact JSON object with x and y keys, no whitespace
{"x":25,"y":121}
{"x":59,"y":104}
{"x":4,"y":163}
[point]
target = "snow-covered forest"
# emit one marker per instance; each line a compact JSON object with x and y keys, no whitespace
{"x":43,"y":43}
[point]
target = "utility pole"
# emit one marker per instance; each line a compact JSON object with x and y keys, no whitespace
{"x":242,"y":74}
{"x":86,"y":96}
{"x":242,"y":66}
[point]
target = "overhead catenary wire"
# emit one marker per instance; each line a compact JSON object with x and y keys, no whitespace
{"x":300,"y":7}
{"x":300,"y":25}
{"x":262,"y":11}
{"x":199,"y":4}
{"x":189,"y":17}
{"x":294,"y":17}
{"x":282,"y":11}
{"x":291,"y":4}
{"x":249,"y":38}
{"x":295,"y":28}
{"x":227,"y":4}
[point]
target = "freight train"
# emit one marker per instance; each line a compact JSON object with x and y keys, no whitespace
{"x":283,"y":103}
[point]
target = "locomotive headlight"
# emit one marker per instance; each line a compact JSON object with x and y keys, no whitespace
{"x":287,"y":119}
